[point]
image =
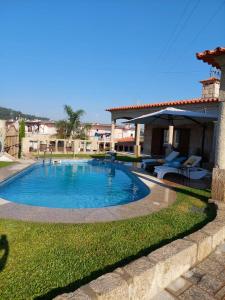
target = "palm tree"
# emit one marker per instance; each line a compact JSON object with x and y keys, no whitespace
{"x":73,"y":119}
{"x":72,"y":126}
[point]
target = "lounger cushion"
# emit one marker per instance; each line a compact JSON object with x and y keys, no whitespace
{"x":172,"y":156}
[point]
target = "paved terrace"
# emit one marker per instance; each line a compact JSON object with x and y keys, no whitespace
{"x":161,"y":196}
{"x":206,"y":281}
{"x":10,"y":170}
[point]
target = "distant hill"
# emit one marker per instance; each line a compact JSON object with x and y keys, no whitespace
{"x":7,"y":114}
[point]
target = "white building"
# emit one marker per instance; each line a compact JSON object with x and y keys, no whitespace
{"x":40,"y":127}
{"x":102,"y":132}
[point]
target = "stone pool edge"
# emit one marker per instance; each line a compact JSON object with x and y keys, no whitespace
{"x":160,"y":196}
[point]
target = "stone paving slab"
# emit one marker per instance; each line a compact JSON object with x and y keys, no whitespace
{"x":206,"y":281}
{"x":178,"y":286}
{"x":164,"y":295}
{"x":8,"y":171}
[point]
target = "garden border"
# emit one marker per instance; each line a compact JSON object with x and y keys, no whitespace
{"x":145,"y":277}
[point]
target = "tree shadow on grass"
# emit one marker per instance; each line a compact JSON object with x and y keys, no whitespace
{"x":71,"y":287}
{"x":4,"y":245}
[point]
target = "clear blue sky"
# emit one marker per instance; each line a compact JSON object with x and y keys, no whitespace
{"x":94,"y":54}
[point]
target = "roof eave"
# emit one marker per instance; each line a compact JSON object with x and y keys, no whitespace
{"x":165,"y":104}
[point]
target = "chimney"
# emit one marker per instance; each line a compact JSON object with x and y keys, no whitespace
{"x":210,"y":87}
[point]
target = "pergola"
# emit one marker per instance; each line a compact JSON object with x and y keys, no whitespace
{"x":216,"y":58}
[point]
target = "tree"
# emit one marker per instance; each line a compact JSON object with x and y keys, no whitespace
{"x":83,"y":130}
{"x":61,"y":126}
{"x":21,"y":135}
{"x":71,"y":127}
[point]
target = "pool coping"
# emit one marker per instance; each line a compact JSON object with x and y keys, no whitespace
{"x":160,"y":196}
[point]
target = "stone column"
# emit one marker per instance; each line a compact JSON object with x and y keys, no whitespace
{"x":112,"y":142}
{"x":56,"y":146}
{"x":137,"y":147}
{"x":47,"y":145}
{"x":147,"y":139}
{"x":218,"y":182}
{"x":212,"y":154}
{"x":64,"y":146}
{"x":170,"y":139}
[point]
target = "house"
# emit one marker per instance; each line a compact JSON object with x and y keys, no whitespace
{"x":42,"y":127}
{"x":127,"y":144}
{"x":102,"y":132}
{"x":123,"y":134}
{"x":187,"y":139}
{"x":216,"y":58}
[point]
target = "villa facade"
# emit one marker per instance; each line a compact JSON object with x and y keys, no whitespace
{"x":187,"y":139}
{"x":41,"y":136}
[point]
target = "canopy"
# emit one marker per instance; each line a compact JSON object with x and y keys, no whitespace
{"x":175,"y":117}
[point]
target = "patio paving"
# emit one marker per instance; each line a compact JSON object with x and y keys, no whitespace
{"x":8,"y":171}
{"x":206,"y":281}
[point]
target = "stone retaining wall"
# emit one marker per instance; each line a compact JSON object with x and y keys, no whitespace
{"x":147,"y":276}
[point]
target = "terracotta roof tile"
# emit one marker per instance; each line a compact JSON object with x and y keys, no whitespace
{"x":125,"y":139}
{"x":170,"y":103}
{"x":210,"y":80}
{"x":208,"y":56}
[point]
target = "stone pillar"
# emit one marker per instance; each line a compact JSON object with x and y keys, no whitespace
{"x":147,"y":139}
{"x":76,"y":146}
{"x":112,"y":142}
{"x":64,"y":146}
{"x":218,"y":182}
{"x":212,"y":155}
{"x":170,"y":139}
{"x":56,"y":146}
{"x":47,"y":145}
{"x":137,"y":147}
{"x":38,"y":147}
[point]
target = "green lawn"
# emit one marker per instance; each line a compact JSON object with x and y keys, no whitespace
{"x":5,"y":163}
{"x":126,"y":158}
{"x":44,"y":260}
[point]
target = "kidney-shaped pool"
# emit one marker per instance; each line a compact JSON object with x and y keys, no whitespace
{"x":74,"y":184}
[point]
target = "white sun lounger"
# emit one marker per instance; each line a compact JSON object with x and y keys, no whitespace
{"x":168,"y":158}
{"x":188,"y":169}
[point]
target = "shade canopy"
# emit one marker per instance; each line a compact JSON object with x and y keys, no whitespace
{"x":175,"y":117}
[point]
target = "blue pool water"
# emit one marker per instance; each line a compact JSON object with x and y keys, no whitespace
{"x":74,"y":184}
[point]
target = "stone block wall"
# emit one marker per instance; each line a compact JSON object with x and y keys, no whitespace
{"x":145,"y":277}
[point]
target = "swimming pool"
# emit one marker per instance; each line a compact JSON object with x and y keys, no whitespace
{"x":74,"y":184}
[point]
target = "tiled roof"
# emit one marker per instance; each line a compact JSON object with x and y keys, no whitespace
{"x":210,"y":80}
{"x":208,"y":56}
{"x":170,"y":103}
{"x":125,"y":139}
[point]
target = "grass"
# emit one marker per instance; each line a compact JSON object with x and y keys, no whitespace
{"x":44,"y":260}
{"x":126,"y":158}
{"x":5,"y":163}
